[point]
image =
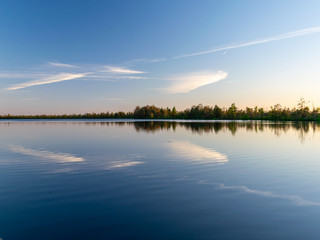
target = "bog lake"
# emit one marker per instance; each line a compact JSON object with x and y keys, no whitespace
{"x":107,"y":179}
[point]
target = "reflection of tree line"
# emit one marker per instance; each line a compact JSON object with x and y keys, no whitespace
{"x":194,"y":126}
{"x":302,"y":128}
{"x":232,"y":126}
{"x":197,"y":127}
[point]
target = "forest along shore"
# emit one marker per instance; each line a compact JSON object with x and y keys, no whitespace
{"x":276,"y":113}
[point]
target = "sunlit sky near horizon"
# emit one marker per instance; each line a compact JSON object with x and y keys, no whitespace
{"x":96,"y":56}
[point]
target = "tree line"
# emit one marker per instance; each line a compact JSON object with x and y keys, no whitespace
{"x":197,"y":112}
{"x":200,"y":112}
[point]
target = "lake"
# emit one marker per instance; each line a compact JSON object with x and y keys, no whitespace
{"x":159,"y":180}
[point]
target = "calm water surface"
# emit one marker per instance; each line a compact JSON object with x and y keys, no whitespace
{"x":159,"y":180}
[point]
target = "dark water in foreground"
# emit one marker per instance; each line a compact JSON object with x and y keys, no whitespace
{"x":159,"y":180}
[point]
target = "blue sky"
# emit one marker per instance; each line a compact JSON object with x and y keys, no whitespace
{"x":98,"y":56}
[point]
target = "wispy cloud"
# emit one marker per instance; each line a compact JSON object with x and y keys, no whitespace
{"x":52,"y":79}
{"x":57,"y":64}
{"x":190,"y":81}
{"x":145,"y":60}
{"x":85,"y":72}
{"x":255,"y":42}
{"x":121,"y":70}
{"x":112,"y":77}
{"x":47,"y":155}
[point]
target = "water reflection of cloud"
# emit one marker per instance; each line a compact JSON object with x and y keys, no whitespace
{"x":197,"y":154}
{"x":53,"y":156}
{"x":123,"y":164}
{"x":294,"y":198}
{"x":124,"y":161}
{"x":62,"y":170}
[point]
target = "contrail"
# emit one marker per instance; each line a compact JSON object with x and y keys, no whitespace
{"x":256,"y":42}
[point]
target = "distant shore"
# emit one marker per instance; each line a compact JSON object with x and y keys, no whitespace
{"x":196,"y":112}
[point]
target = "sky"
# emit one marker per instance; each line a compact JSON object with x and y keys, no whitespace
{"x":69,"y":57}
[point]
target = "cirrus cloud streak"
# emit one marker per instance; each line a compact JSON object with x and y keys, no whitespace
{"x":58,"y":64}
{"x":121,"y":70}
{"x":187,"y":82}
{"x":52,"y":79}
{"x":105,"y":73}
{"x":255,"y":42}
